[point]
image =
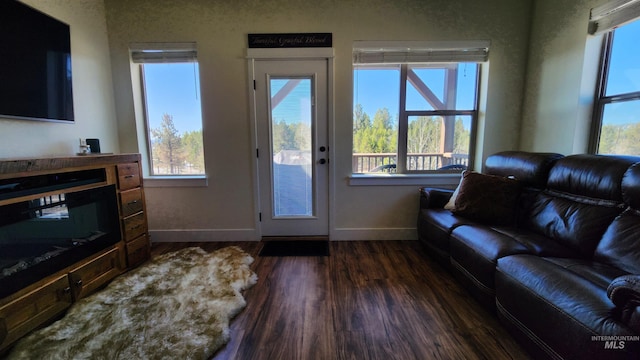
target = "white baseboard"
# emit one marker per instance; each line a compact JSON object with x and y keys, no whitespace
{"x":218,"y":235}
{"x":204,"y":235}
{"x":351,"y":234}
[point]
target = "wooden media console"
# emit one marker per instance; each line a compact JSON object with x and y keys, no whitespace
{"x":85,"y":215}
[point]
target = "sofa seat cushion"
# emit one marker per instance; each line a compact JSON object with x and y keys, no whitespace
{"x":475,"y":250}
{"x":600,"y":274}
{"x":434,"y":229}
{"x":571,"y":296}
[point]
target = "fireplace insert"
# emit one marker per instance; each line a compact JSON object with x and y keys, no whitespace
{"x":41,"y":236}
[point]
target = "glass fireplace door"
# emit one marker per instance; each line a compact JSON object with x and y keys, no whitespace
{"x":41,"y":236}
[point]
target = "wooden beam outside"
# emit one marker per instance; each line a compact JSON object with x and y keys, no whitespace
{"x":424,"y":90}
{"x":284,"y":92}
{"x":450,"y":95}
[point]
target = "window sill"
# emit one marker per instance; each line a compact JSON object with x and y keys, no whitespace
{"x":175,"y":181}
{"x":436,"y":180}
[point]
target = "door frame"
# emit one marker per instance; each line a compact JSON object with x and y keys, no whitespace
{"x":258,"y":54}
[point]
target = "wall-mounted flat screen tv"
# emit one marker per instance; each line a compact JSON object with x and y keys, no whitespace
{"x":35,"y":65}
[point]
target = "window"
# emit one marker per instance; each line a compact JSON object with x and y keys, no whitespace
{"x":617,"y":112}
{"x":415,"y":106}
{"x":616,"y":116}
{"x":171,"y":90}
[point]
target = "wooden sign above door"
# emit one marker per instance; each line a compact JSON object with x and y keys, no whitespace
{"x":304,"y":40}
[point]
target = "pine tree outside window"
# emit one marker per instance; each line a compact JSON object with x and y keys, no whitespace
{"x":415,"y":105}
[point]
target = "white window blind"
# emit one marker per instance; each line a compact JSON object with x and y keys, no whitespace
{"x":407,"y":52}
{"x":163,"y":52}
{"x":612,"y":15}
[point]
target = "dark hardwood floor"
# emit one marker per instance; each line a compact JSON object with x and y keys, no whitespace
{"x":368,"y":300}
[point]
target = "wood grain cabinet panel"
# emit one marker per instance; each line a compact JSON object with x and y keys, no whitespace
{"x":97,"y":272}
{"x":133,"y":215}
{"x":33,"y":309}
{"x":131,"y":201}
{"x":128,"y":176}
{"x":138,"y":251}
{"x":134,"y":226}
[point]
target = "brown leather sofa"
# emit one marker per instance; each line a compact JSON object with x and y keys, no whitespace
{"x":551,"y":244}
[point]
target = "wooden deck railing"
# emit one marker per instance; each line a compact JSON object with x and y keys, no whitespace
{"x":385,"y":162}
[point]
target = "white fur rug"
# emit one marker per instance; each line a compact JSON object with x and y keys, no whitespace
{"x":177,"y":306}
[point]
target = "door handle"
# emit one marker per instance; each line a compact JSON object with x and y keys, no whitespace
{"x":322,"y":161}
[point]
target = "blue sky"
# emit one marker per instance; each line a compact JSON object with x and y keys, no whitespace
{"x":625,"y":60}
{"x":625,"y":75}
{"x":173,"y":89}
{"x":380,"y":88}
{"x":177,"y":91}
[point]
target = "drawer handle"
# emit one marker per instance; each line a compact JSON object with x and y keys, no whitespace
{"x":128,"y":176}
{"x":79,"y":283}
{"x":136,"y":227}
{"x":132,"y":202}
{"x":66,"y":290}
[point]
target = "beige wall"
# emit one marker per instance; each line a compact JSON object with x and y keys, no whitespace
{"x":92,"y":89}
{"x":536,"y":95}
{"x":561,"y":77}
{"x":225,"y":208}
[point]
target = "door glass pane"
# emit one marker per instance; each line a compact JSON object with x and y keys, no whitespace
{"x":438,"y":142}
{"x":620,"y":132}
{"x":291,"y":143}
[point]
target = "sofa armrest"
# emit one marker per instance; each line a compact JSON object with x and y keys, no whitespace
{"x":624,"y":292}
{"x":625,"y":289}
{"x":431,"y":198}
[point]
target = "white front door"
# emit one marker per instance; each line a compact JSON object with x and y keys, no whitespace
{"x":291,"y":115}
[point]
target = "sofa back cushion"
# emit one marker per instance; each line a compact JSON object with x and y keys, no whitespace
{"x":631,"y":186}
{"x":620,"y":244}
{"x":592,"y":176}
{"x":583,"y":197}
{"x":530,"y":169}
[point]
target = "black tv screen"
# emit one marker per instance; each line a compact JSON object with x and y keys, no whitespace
{"x":35,"y":65}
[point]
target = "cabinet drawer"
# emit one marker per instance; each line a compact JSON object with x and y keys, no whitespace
{"x":128,"y":176}
{"x":26,"y":313}
{"x":97,"y":272}
{"x":134,"y":226}
{"x":131,"y":202}
{"x":138,"y":251}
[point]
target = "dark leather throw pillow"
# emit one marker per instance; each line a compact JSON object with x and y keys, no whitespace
{"x":487,"y":198}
